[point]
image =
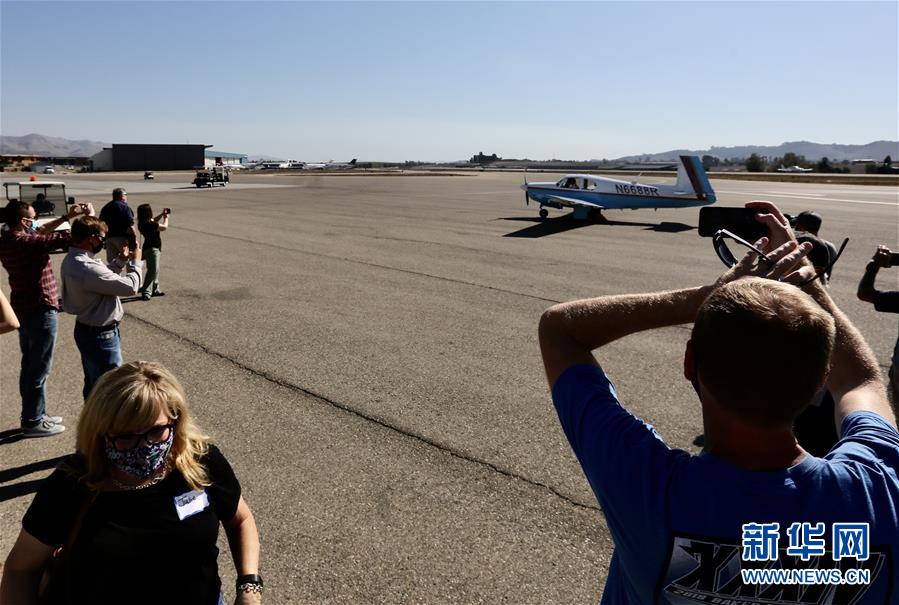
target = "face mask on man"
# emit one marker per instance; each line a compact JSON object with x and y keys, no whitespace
{"x":96,"y":248}
{"x":31,"y":227}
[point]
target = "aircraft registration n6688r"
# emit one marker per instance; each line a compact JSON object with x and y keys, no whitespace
{"x":589,"y":194}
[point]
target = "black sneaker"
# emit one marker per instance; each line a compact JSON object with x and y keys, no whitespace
{"x":158,"y":293}
{"x":44,"y":428}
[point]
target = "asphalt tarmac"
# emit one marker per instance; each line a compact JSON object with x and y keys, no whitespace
{"x":363,"y":350}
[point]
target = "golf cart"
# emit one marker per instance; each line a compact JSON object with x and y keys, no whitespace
{"x":210,"y":177}
{"x":42,"y":195}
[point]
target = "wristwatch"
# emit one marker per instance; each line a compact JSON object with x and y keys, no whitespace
{"x":251,"y":582}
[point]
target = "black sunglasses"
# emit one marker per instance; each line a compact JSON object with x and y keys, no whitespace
{"x":727,"y":257}
{"x":152,"y":436}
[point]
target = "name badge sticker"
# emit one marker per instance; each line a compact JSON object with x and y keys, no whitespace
{"x":191,"y":503}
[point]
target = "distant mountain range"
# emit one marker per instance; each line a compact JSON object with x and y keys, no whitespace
{"x":812,"y":152}
{"x":38,"y":144}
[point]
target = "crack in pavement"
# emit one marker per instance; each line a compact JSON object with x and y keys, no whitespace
{"x":370,"y":264}
{"x":359,"y":413}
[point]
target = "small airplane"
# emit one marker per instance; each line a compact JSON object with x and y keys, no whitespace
{"x":332,"y":165}
{"x":794,"y":169}
{"x":588,"y":194}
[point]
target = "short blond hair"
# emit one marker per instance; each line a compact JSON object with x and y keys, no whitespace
{"x":763,"y":349}
{"x":128,"y":399}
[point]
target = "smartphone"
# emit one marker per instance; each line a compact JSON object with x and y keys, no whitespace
{"x":894,"y":259}
{"x":739,"y":221}
{"x":166,"y":210}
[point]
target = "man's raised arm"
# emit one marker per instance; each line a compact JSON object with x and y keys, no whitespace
{"x":854,"y":379}
{"x":570,"y":331}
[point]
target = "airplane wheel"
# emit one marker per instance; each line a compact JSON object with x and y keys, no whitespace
{"x":544,"y":213}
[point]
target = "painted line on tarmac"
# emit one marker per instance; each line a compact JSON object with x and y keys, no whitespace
{"x":810,"y":197}
{"x":268,"y":377}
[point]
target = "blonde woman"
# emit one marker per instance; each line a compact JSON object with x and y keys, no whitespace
{"x":137,"y":507}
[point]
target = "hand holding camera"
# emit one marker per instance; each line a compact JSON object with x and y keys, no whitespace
{"x":166,"y":211}
{"x":884,"y":258}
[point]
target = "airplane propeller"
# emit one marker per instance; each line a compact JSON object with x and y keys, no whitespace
{"x":527,"y":200}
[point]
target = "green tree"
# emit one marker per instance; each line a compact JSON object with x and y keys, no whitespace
{"x":824,"y":165}
{"x":709,"y":160}
{"x":792,"y":159}
{"x":756,"y":163}
{"x":888,"y":161}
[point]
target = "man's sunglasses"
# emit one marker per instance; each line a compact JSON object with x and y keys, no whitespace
{"x":728,"y":258}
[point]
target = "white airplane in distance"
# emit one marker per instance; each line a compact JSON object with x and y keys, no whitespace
{"x":589,"y":194}
{"x":332,"y":165}
{"x":794,"y":169}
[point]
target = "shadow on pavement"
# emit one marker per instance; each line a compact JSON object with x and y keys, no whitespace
{"x":550,"y":226}
{"x":8,"y":492}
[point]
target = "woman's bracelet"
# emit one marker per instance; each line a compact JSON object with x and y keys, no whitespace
{"x":251,"y":582}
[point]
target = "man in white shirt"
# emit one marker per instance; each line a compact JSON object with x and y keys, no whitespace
{"x":91,"y":291}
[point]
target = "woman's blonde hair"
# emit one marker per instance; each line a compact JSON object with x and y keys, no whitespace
{"x":129,"y":399}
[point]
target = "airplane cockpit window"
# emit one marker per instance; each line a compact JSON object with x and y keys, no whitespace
{"x":589,"y":184}
{"x":570,"y":183}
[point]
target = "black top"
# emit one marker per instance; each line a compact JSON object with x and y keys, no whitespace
{"x":132,"y":546}
{"x":150,"y":231}
{"x":887,"y":301}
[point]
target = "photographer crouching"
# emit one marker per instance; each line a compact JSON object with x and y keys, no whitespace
{"x":688,"y":528}
{"x":885,"y":301}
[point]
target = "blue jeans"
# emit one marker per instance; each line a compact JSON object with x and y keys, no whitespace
{"x":151,"y":279}
{"x":101,"y":351}
{"x":37,"y":337}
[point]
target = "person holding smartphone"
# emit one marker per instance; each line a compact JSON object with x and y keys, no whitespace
{"x":150,"y":228}
{"x":885,"y":301}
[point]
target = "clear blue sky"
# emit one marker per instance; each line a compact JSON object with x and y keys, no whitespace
{"x":442,"y":81}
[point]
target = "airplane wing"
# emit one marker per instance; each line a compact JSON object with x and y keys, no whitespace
{"x":572,"y":202}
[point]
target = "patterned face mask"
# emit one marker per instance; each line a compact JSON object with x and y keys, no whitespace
{"x":141,"y":461}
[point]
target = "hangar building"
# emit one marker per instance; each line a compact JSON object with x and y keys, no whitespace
{"x":223,"y":158}
{"x":149,"y":157}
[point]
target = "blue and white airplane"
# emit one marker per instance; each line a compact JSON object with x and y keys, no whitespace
{"x":587,"y":193}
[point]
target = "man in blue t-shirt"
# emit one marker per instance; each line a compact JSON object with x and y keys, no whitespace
{"x":754,"y":518}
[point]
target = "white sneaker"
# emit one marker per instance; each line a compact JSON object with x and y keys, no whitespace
{"x":44,"y":428}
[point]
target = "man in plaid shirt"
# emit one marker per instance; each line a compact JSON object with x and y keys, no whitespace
{"x":24,"y":253}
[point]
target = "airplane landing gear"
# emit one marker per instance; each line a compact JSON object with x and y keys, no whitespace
{"x":544,"y":213}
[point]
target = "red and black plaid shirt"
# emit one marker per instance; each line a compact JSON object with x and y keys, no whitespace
{"x":26,"y":257}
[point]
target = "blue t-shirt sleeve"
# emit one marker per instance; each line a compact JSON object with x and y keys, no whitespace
{"x":626,"y":462}
{"x":866,"y":436}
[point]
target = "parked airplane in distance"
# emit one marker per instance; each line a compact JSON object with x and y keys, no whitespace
{"x":589,"y":194}
{"x":793,"y":169}
{"x":332,"y":165}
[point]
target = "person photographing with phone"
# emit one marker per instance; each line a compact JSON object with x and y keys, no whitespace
{"x":91,"y":291}
{"x":885,"y":301}
{"x":766,"y":338}
{"x":25,"y":254}
{"x":150,"y":228}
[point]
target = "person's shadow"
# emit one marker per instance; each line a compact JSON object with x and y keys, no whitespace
{"x":23,"y":488}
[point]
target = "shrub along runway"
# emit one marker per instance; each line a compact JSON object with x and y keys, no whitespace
{"x":364,"y":351}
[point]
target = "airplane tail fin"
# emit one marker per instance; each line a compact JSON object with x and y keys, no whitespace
{"x":691,"y":175}
{"x":353,"y":162}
